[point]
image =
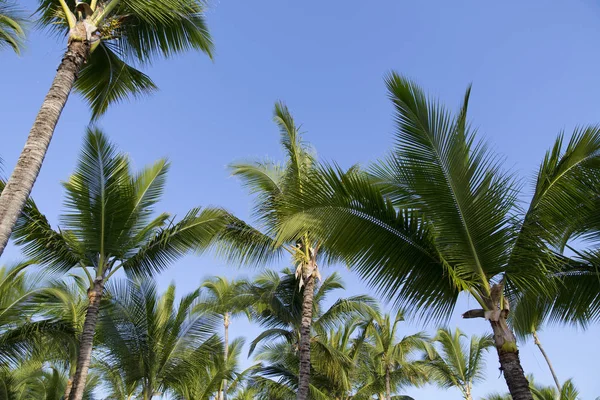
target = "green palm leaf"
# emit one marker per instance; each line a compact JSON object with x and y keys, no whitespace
{"x":11,"y":26}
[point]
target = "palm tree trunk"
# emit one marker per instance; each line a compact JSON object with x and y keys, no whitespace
{"x":537,"y":342}
{"x":388,"y":384}
{"x":19,"y":185}
{"x":305,"y":327}
{"x":510,"y":364}
{"x":468,"y":395}
{"x":226,"y":352}
{"x":68,"y":387}
{"x":87,"y":340}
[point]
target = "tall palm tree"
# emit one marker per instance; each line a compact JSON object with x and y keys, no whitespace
{"x":453,"y":364}
{"x":11,"y":26}
{"x":153,"y":341}
{"x":271,"y":182}
{"x":109,"y":226}
{"x":439,"y":217}
{"x":102,"y":36}
{"x":389,"y":360}
{"x":227,"y":299}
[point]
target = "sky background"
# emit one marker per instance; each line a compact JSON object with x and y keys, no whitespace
{"x":534,"y":67}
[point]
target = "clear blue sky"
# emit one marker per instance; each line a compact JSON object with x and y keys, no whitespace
{"x":534,"y":67}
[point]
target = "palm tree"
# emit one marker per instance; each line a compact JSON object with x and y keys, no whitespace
{"x":101,"y":36}
{"x":109,"y":226}
{"x":272,"y":182}
{"x":207,"y":379}
{"x":388,"y":359}
{"x":454,"y":364}
{"x":227,"y":299}
{"x":153,"y":342}
{"x":279,"y":309}
{"x":11,"y":26}
{"x":439,"y":217}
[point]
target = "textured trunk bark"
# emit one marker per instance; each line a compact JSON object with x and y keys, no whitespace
{"x":305,"y":327}
{"x":226,"y":351}
{"x":510,"y":365}
{"x":21,"y":181}
{"x":87,"y":340}
{"x":537,"y":342}
{"x":388,"y":384}
{"x":68,"y":388}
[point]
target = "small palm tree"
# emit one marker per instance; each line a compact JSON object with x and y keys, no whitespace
{"x":439,"y":217}
{"x":206,"y":381}
{"x":109,"y":226}
{"x":150,"y":339}
{"x":390,"y":361}
{"x":227,"y":299}
{"x":279,"y":308}
{"x":11,"y":26}
{"x":452,"y":364}
{"x":104,"y":39}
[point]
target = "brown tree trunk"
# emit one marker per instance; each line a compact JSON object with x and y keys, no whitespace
{"x":87,"y":340}
{"x":21,"y":181}
{"x":226,"y":323}
{"x":510,"y":365}
{"x":305,"y":328}
{"x":537,"y":342}
{"x":388,"y":384}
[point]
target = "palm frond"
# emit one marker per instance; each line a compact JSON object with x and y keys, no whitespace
{"x":106,"y":80}
{"x":195,"y":231}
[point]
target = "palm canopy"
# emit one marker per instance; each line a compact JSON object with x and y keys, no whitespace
{"x":225,"y":297}
{"x":109,"y":222}
{"x":451,"y":363}
{"x":123,"y":34}
{"x":271,"y":183}
{"x":439,"y":215}
{"x":278,"y":307}
{"x":25,"y":326}
{"x":154,"y":341}
{"x":11,"y":26}
{"x":32,"y":380}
